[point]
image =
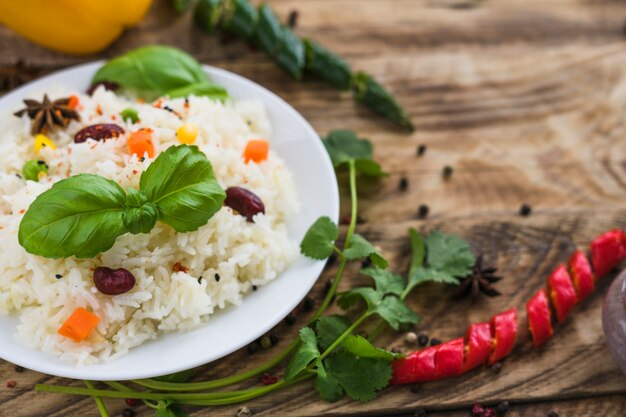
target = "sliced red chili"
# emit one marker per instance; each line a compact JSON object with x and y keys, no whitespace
{"x":538,"y":314}
{"x":562,"y":292}
{"x":607,"y":251}
{"x":504,"y":330}
{"x":416,"y":367}
{"x":477,"y":345}
{"x":449,"y":359}
{"x":580,"y":271}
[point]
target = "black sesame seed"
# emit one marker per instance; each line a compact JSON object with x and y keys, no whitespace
{"x":18,"y":176}
{"x":168,"y":108}
{"x":19,"y":369}
{"x":525,"y":210}
{"x":422,"y":211}
{"x":421,"y":150}
{"x":414,"y":388}
{"x":217,"y":277}
{"x":422,"y":339}
{"x":41,"y":162}
{"x":404,"y":184}
{"x":274,"y":338}
{"x":254,"y":288}
{"x":292,"y":20}
{"x":254,"y":347}
{"x":503,"y":408}
{"x":127,"y":412}
{"x":308,"y":304}
{"x":447,"y":171}
{"x":367,"y":262}
{"x":199,"y":279}
{"x":420,"y":412}
{"x":434,"y":341}
{"x":58,"y":276}
{"x":290,"y":319}
{"x":553,"y":414}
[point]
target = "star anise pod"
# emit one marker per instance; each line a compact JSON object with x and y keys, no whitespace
{"x":46,"y":114}
{"x":479,"y":281}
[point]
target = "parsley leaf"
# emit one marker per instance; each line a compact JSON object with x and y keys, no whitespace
{"x":344,"y":146}
{"x":359,"y":377}
{"x":361,"y":248}
{"x":360,"y":346}
{"x":328,"y":387}
{"x":304,"y":355}
{"x":319,"y":240}
{"x":439,"y":257}
{"x":329,"y":328}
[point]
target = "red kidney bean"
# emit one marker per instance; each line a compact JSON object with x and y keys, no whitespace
{"x":244,"y":201}
{"x":100,"y":131}
{"x":113,"y":281}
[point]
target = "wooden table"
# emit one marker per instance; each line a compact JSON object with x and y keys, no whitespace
{"x":525,"y":99}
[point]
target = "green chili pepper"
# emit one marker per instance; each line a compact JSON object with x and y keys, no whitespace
{"x":131,"y":114}
{"x":33,"y":169}
{"x":207,"y":14}
{"x":290,"y":56}
{"x":241,"y":18}
{"x":327,"y":66}
{"x":268,"y":31}
{"x":379,"y":100}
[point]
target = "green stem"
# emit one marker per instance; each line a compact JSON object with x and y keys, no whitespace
{"x":223,"y":382}
{"x":118,"y":386}
{"x":101,"y":407}
{"x":345,"y":334}
{"x":380,"y":327}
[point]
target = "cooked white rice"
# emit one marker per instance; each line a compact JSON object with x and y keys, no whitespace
{"x":242,"y":253}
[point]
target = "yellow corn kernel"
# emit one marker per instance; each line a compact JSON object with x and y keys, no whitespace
{"x":187,"y":133}
{"x":41,"y":175}
{"x":42,"y":141}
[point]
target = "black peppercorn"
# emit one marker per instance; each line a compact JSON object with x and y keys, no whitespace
{"x":525,"y":210}
{"x":503,"y":408}
{"x":497,"y":367}
{"x":421,"y":150}
{"x":420,"y":412}
{"x":290,"y":319}
{"x":422,"y":211}
{"x":254,"y":288}
{"x":434,"y":341}
{"x":274,"y":338}
{"x":266,"y":342}
{"x":553,"y":414}
{"x":414,"y":388}
{"x":447,"y":172}
{"x":58,"y":276}
{"x":292,"y":20}
{"x":422,"y":339}
{"x":308,"y":304}
{"x":367,"y":262}
{"x":254,"y":347}
{"x":127,"y":412}
{"x":19,"y":369}
{"x":404,"y":184}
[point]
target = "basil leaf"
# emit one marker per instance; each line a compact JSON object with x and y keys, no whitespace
{"x":181,"y":183}
{"x":204,"y":89}
{"x":152,"y":70}
{"x":80,"y":216}
{"x":140,"y":215}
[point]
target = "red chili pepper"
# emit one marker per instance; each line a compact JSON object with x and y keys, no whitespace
{"x":580,"y":271}
{"x":416,"y":367}
{"x":562,"y":292}
{"x":477,"y":345}
{"x":607,"y":251}
{"x":449,"y":359}
{"x":538,"y":314}
{"x":504,"y":330}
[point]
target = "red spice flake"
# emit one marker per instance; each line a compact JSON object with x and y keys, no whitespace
{"x":178,"y":267}
{"x":158,"y":104}
{"x":60,"y":164}
{"x":22,"y":211}
{"x":132,"y":402}
{"x":267,"y":379}
{"x":113,"y":117}
{"x":11,"y":383}
{"x":186,"y":105}
{"x":73,"y":102}
{"x":99,"y":110}
{"x":135,"y":171}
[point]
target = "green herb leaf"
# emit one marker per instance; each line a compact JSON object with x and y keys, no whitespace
{"x":359,"y":377}
{"x":152,"y":71}
{"x":344,"y":145}
{"x":269,"y":30}
{"x":361,"y":248}
{"x":181,"y":183}
{"x":182,"y":376}
{"x":140,"y":215}
{"x":307,"y":352}
{"x":203,"y":89}
{"x":395,"y":312}
{"x":329,"y":328}
{"x":33,"y":169}
{"x":327,"y":66}
{"x":241,"y":18}
{"x":80,"y":216}
{"x":318,"y":242}
{"x":379,"y":100}
{"x":361,"y":347}
{"x":447,"y":258}
{"x":328,"y":387}
{"x":130,"y":114}
{"x":386,"y":281}
{"x":207,"y":14}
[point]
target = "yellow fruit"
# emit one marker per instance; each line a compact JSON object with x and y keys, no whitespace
{"x":74,"y":27}
{"x":42,"y":141}
{"x":187,"y":133}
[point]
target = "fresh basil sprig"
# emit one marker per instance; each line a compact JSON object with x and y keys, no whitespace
{"x":153,"y":71}
{"x":83,"y":215}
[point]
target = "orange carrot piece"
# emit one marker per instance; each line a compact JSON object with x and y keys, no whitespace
{"x":256,"y":150}
{"x":140,"y":143}
{"x":79,"y":325}
{"x":73,"y":102}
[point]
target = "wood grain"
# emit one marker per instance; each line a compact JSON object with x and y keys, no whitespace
{"x":525,"y":100}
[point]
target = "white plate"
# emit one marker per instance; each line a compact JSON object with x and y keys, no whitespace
{"x":298,"y":144}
